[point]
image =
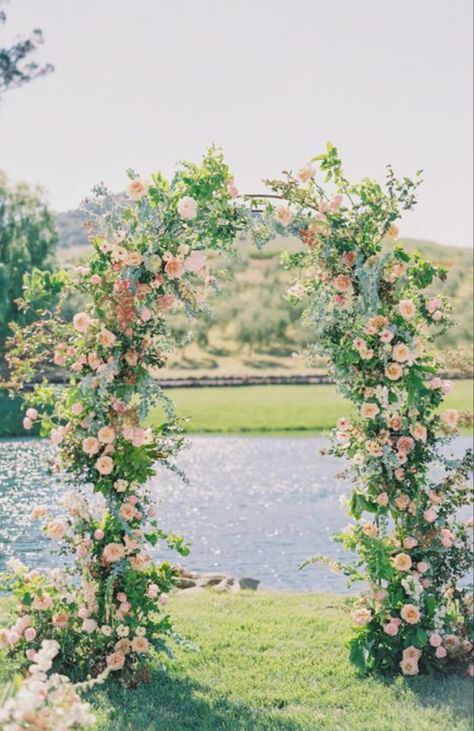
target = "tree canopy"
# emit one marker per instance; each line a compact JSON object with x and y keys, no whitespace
{"x":27,"y":240}
{"x":16,"y":66}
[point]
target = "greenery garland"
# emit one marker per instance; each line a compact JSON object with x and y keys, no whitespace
{"x":372,"y":317}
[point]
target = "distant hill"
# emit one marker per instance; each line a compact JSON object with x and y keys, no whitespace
{"x":70,"y":229}
{"x":252,"y":328}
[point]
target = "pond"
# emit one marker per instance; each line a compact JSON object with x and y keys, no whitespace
{"x":255,"y":506}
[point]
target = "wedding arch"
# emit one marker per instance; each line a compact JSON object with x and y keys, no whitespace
{"x":371,"y":317}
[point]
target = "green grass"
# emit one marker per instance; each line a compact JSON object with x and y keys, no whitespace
{"x":276,"y":662}
{"x":250,"y":409}
{"x":274,"y":409}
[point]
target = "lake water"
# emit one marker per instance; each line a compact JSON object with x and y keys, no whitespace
{"x":255,"y":506}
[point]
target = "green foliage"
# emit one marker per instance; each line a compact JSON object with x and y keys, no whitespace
{"x":27,"y":241}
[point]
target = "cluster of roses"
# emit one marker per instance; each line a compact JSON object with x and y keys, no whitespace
{"x":147,"y":259}
{"x":46,"y":702}
{"x":370,"y":313}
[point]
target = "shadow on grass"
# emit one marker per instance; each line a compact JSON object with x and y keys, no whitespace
{"x":453,"y":692}
{"x":171,"y":703}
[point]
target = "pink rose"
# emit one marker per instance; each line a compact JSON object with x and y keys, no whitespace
{"x":30,"y":634}
{"x":195,"y":261}
{"x":390,"y":629}
{"x":81,"y":322}
{"x":435,"y":639}
{"x":187,"y":207}
{"x":440,"y":652}
{"x":430,"y":515}
{"x":153,"y":591}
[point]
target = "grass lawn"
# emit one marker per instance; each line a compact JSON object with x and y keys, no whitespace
{"x":257,"y":409}
{"x":276,"y":662}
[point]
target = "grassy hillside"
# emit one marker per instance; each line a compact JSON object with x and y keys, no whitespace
{"x":251,"y":328}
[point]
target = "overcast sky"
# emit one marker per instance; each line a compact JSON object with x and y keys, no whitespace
{"x":144,"y":83}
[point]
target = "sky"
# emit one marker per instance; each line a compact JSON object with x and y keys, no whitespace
{"x":146,"y":83}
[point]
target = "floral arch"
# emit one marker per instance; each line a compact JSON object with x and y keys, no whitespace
{"x":371,"y":317}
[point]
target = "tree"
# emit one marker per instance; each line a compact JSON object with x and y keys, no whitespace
{"x":27,"y":240}
{"x":16,"y":66}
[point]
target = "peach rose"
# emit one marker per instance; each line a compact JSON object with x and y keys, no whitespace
{"x":407,"y":309}
{"x":394,"y":371}
{"x":94,"y":361}
{"x":419,"y":432}
{"x":446,"y":537}
{"x":81,"y":322}
{"x":342,"y":283}
{"x":115,"y":661}
{"x":402,"y":562}
{"x":382,"y":499}
{"x":133,"y":259}
{"x":127,"y":511}
{"x":43,"y":602}
{"x":56,"y":530}
{"x":104,"y":465}
{"x":140,"y":644}
{"x":401,"y":353}
{"x":113,"y":552}
{"x":60,"y":620}
{"x":373,"y":448}
{"x":369,"y":410}
{"x":370,"y":529}
{"x":39,"y":511}
{"x":174,"y":268}
{"x":283,"y":215}
{"x":409,"y":542}
{"x":106,"y":435}
{"x":361,"y":616}
{"x":402,"y":501}
{"x":123,"y":645}
{"x":409,"y":666}
{"x":137,"y":189}
{"x":393,"y":231}
{"x":106,"y":338}
{"x":410,"y":614}
{"x":412,"y":652}
{"x":450,"y":417}
{"x":90,"y":446}
{"x":405,"y":444}
{"x":305,"y":173}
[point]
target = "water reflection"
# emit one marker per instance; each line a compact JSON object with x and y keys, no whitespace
{"x":255,"y":506}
